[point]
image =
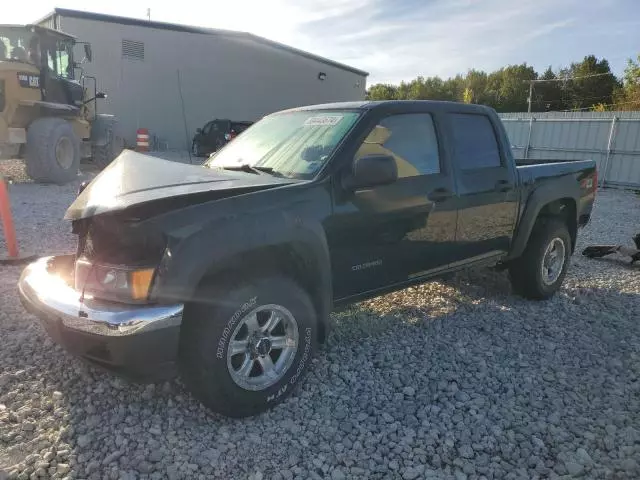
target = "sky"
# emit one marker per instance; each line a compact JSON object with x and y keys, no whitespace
{"x":398,"y":40}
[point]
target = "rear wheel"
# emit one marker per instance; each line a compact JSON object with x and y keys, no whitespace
{"x":245,"y":351}
{"x":53,"y":151}
{"x":540,"y":271}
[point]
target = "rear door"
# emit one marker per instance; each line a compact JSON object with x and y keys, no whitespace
{"x":390,"y":234}
{"x":214,"y":135}
{"x":485,"y":182}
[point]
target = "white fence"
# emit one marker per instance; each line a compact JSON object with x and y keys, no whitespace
{"x":612,"y":139}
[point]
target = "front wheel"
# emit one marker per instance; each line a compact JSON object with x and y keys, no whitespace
{"x":244,"y":351}
{"x":53,"y":151}
{"x":540,"y":271}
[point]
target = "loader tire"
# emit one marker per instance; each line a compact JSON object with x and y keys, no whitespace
{"x":105,"y":153}
{"x":53,"y":151}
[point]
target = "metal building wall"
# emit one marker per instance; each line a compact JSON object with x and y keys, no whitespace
{"x":222,"y":76}
{"x":612,"y":139}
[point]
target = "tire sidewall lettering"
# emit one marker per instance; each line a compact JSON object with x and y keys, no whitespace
{"x":305,"y":356}
{"x":231,"y":324}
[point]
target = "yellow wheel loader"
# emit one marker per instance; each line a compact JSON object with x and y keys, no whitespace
{"x":47,"y":115}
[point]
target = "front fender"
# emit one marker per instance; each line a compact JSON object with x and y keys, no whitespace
{"x":194,"y":254}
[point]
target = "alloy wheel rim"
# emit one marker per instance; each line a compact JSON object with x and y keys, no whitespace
{"x":553,"y":261}
{"x":262,"y":347}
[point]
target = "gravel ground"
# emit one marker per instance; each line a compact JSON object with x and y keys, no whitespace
{"x":455,"y":379}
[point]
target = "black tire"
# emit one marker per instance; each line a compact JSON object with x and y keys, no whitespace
{"x":207,"y":332}
{"x":103,"y":155}
{"x":526,"y":272}
{"x":195,"y":149}
{"x":44,"y":139}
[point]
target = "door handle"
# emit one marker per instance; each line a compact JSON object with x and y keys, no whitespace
{"x":503,"y":186}
{"x":440,"y":194}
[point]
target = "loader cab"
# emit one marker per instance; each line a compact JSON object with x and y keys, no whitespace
{"x":57,"y":67}
{"x":42,"y":60}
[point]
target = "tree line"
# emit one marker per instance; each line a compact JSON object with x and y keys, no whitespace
{"x":585,"y":85}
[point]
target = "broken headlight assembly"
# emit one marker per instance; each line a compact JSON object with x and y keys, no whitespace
{"x":113,"y":282}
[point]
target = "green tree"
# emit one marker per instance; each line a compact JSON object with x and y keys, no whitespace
{"x":510,"y":87}
{"x":467,"y":96}
{"x":547,"y":96}
{"x":592,"y":82}
{"x":507,"y":88}
{"x":381,"y":91}
{"x":476,"y":82}
{"x":627,"y":96}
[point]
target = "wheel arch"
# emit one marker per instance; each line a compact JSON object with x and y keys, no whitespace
{"x":290,"y":260}
{"x":556,"y":199}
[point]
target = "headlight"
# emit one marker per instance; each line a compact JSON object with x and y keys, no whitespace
{"x":111,"y":282}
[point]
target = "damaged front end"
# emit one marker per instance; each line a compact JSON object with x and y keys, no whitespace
{"x":115,"y":259}
{"x":96,"y":302}
{"x":100,"y":303}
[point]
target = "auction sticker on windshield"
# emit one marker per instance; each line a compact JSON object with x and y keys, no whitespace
{"x":323,"y":120}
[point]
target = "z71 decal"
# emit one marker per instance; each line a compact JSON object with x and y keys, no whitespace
{"x":28,"y":80}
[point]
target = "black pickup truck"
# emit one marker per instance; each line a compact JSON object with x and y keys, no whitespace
{"x":228,"y":271}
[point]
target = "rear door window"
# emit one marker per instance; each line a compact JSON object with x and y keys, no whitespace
{"x":475,"y":144}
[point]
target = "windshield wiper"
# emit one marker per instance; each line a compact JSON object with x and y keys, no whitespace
{"x":245,"y":167}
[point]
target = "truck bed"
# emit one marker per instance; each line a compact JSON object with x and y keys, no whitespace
{"x":536,"y":169}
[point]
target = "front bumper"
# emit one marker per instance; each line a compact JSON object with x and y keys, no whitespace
{"x":138,"y":341}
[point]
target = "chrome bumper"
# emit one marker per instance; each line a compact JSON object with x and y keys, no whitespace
{"x":47,"y":295}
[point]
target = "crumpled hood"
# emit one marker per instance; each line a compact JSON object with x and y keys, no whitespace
{"x":133,"y":179}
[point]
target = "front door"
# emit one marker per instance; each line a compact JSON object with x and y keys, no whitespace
{"x":486,"y":188}
{"x":390,"y":234}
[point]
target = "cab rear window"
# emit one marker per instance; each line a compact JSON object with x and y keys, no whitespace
{"x":475,"y":145}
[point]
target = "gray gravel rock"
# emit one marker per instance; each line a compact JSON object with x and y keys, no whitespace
{"x":574,"y":468}
{"x":629,"y":465}
{"x":458,"y":375}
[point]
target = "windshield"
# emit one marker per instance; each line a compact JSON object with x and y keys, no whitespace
{"x":18,"y":44}
{"x":290,"y":144}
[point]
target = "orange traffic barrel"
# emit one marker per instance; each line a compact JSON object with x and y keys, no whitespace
{"x":142,"y":140}
{"x":13,"y":254}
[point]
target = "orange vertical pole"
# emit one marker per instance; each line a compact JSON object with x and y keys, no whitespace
{"x":7,"y":220}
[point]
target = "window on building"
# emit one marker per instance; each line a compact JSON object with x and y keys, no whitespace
{"x":410,"y":139}
{"x":475,"y":144}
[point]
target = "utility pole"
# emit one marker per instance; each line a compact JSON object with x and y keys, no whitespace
{"x":149,"y":14}
{"x":530,"y":99}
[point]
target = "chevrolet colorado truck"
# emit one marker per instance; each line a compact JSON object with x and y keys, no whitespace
{"x":227,"y":272}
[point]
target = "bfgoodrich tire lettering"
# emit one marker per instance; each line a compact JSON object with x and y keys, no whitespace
{"x":210,"y":328}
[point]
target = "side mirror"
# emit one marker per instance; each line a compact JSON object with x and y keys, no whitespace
{"x":87,"y":52}
{"x":371,"y":171}
{"x":101,"y":95}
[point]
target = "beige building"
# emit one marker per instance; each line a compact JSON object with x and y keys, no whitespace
{"x":145,"y":67}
